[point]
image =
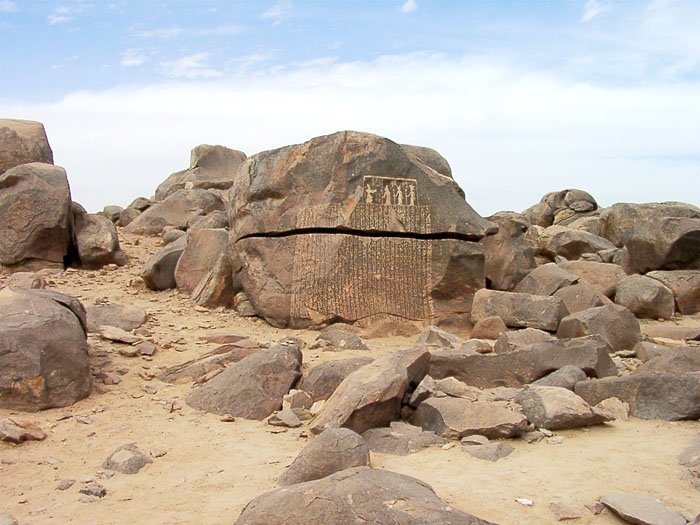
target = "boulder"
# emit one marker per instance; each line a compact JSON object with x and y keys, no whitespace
{"x":646,"y":298}
{"x":452,"y":417}
{"x":23,"y":142}
{"x":400,"y":439}
{"x":642,"y":509}
{"x":173,"y":235}
{"x":546,"y":280}
{"x":331,"y":451}
{"x":127,"y":459}
{"x":489,"y":328}
{"x":429,"y":157}
{"x":124,"y":316}
{"x":433,"y":336}
{"x":539,"y":214}
{"x":677,"y":360}
{"x":208,"y":365}
{"x":35,"y":215}
{"x":323,"y":379}
{"x":509,"y":257}
{"x":516,"y":339}
{"x":112,"y":212}
{"x":203,"y":249}
{"x":218,"y":287}
{"x":371,"y":396}
{"x":352,"y":495}
{"x":44,"y":357}
{"x":342,"y":340}
{"x":519,"y":310}
{"x":615,"y":323}
{"x":652,"y":395}
{"x":514,"y":369}
{"x":685,"y":285}
{"x":349,"y":227}
{"x":556,"y":408}
{"x":175,"y":211}
{"x":27,"y":281}
{"x":253,"y":387}
{"x":604,"y":277}
{"x":581,"y":296}
{"x":215,"y":219}
{"x":211,"y":167}
{"x":566,"y":377}
{"x":672,"y":331}
{"x":571,"y":243}
{"x":158,"y":272}
{"x":97,"y":240}
{"x":557,"y":206}
{"x":133,"y":210}
{"x":664,"y":243}
{"x":645,"y":350}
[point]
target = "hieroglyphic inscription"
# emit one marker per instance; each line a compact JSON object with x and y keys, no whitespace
{"x":354,"y":277}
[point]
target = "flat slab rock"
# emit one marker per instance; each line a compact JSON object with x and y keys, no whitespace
{"x":642,"y":509}
{"x":122,"y":316}
{"x":400,"y":439}
{"x":358,"y":493}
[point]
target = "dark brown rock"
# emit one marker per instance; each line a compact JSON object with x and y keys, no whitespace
{"x":133,"y":210}
{"x":489,"y":328}
{"x":35,"y":214}
{"x":514,"y":369}
{"x":44,"y":360}
{"x":516,"y":339}
{"x":566,"y":377}
{"x":213,"y":220}
{"x":556,"y":408}
{"x":676,"y":360}
{"x":204,"y":247}
{"x":253,"y":387}
{"x":158,"y":272}
{"x":546,"y":280}
{"x":581,"y":296}
{"x":571,"y":243}
{"x":359,"y":491}
{"x":604,"y":277}
{"x":519,"y":310}
{"x":218,"y":287}
{"x":509,"y":257}
{"x":664,"y":243}
{"x":433,"y":336}
{"x":323,"y":379}
{"x":122,"y":316}
{"x":685,"y":285}
{"x":331,"y":451}
{"x":430,"y":158}
{"x":645,"y":297}
{"x":97,"y":240}
{"x":615,"y":323}
{"x":400,"y":439}
{"x":23,"y":142}
{"x":112,"y":212}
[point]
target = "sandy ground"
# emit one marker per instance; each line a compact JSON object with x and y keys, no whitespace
{"x":211,"y":468}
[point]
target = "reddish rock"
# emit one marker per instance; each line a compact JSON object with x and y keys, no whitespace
{"x":581,"y":296}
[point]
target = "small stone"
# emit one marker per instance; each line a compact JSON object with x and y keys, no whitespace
{"x":88,"y":499}
{"x":596,"y":507}
{"x":448,"y":446}
{"x":525,"y":501}
{"x":94,"y":489}
{"x":643,"y":509}
{"x":491,"y":451}
{"x":8,"y":519}
{"x":547,"y":433}
{"x":562,"y":511}
{"x":65,"y":484}
{"x":146,"y":348}
{"x":475,"y":439}
{"x":533,"y":437}
{"x":285,"y":418}
{"x":126,"y":459}
{"x":129,"y":351}
{"x":158,"y":452}
{"x":555,"y":440}
{"x":84,"y":420}
{"x":227,"y":418}
{"x":113,"y":333}
{"x":150,"y":389}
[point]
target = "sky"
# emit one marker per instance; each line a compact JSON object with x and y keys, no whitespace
{"x":522,"y":97}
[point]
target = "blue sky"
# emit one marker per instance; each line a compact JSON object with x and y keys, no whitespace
{"x":522,"y":97}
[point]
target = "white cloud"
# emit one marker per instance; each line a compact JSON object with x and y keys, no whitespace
{"x":61,"y":15}
{"x":278,"y":11}
{"x":190,"y":66}
{"x":133,"y":58}
{"x":408,"y":6}
{"x":594,"y":8}
{"x":510,"y":135}
{"x":162,"y":32}
{"x":220,"y":30}
{"x":8,"y":7}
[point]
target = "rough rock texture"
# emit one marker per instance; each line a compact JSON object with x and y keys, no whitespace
{"x":400,"y":439}
{"x":371,"y":396}
{"x":23,"y":142}
{"x":678,"y":359}
{"x":97,"y":240}
{"x":664,"y":243}
{"x":26,"y":280}
{"x":16,"y":431}
{"x":556,"y":206}
{"x":515,"y":340}
{"x":433,"y":336}
{"x":122,"y":316}
{"x":557,"y":408}
{"x":685,"y":285}
{"x":207,"y":365}
{"x":112,"y":212}
{"x":218,"y":287}
{"x":642,"y":509}
{"x":646,"y":350}
{"x":323,"y":379}
{"x":355,"y":210}
{"x":653,"y":395}
{"x":127,"y":459}
{"x":342,"y":340}
{"x":352,"y":493}
{"x":566,"y":377}
{"x":204,"y":247}
{"x":509,"y":257}
{"x":430,"y":158}
{"x":133,"y":210}
{"x":43,"y":356}
{"x":453,"y":417}
{"x":35,"y":214}
{"x":519,"y":310}
{"x":514,"y":369}
{"x":489,"y":328}
{"x":175,"y":211}
{"x":601,"y":276}
{"x":615,"y":323}
{"x":646,"y":298}
{"x":211,"y":167}
{"x":253,"y":387}
{"x":571,"y":243}
{"x":333,"y":450}
{"x":581,"y":296}
{"x":546,"y":280}
{"x":158,"y":272}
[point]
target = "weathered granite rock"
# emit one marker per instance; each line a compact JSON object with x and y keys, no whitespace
{"x":558,"y":206}
{"x":581,"y":296}
{"x":331,"y":451}
{"x":26,"y":281}
{"x":172,"y":235}
{"x":509,"y":257}
{"x":672,"y":331}
{"x":519,"y":310}
{"x":400,"y":439}
{"x":430,"y":158}
{"x":642,"y":509}
{"x":210,"y":167}
{"x":678,"y":359}
{"x":556,"y":408}
{"x":97,"y":240}
{"x":253,"y":387}
{"x":342,"y":340}
{"x":516,"y":339}
{"x":653,"y":395}
{"x":23,"y":142}
{"x":604,"y":277}
{"x":452,"y":417}
{"x":133,"y":210}
{"x":127,"y":459}
{"x":566,"y":377}
{"x":158,"y":272}
{"x":358,"y":491}
{"x":615,"y":323}
{"x":489,"y":328}
{"x":218,"y":287}
{"x":44,"y":359}
{"x":112,"y":212}
{"x":514,"y":369}
{"x":685,"y":285}
{"x":203,"y":249}
{"x":540,"y":215}
{"x":213,"y":220}
{"x":36,"y":222}
{"x":433,"y":336}
{"x":645,"y":350}
{"x":546,"y":280}
{"x":323,"y":379}
{"x":122,"y":316}
{"x":207,"y":366}
{"x":664,"y":243}
{"x":368,"y":231}
{"x":175,"y":211}
{"x":571,"y":243}
{"x":17,"y":431}
{"x":371,"y":396}
{"x":645,"y":297}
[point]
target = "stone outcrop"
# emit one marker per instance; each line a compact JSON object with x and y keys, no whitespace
{"x":204,"y":247}
{"x":604,"y":277}
{"x":509,"y":257}
{"x":615,"y":323}
{"x":685,"y":285}
{"x":546,"y":280}
{"x":645,"y":297}
{"x":97,"y":240}
{"x":558,"y":206}
{"x":23,"y":142}
{"x":519,"y":310}
{"x":664,"y":243}
{"x":353,"y":212}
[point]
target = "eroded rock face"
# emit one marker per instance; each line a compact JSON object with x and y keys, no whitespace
{"x":685,"y":285}
{"x":35,"y":214}
{"x":646,"y":298}
{"x":664,"y":243}
{"x":204,"y":247}
{"x":509,"y":257}
{"x":44,"y":359}
{"x":349,"y":226}
{"x":23,"y":142}
{"x":519,"y":310}
{"x":557,"y":408}
{"x":97,"y":240}
{"x":324,"y":378}
{"x":614,"y":322}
